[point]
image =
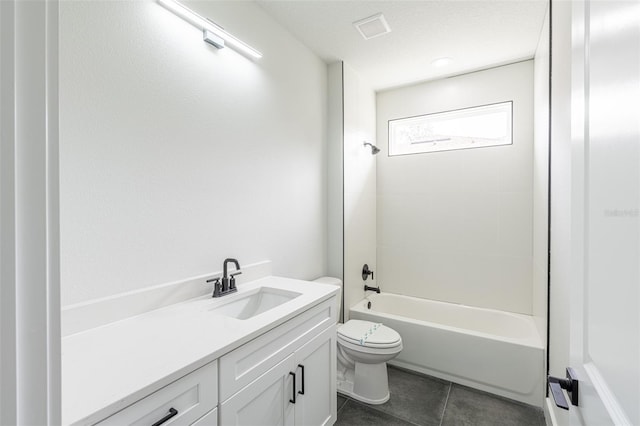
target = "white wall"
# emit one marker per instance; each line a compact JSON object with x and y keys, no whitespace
{"x":175,"y":155}
{"x":541,"y":178}
{"x":457,"y":225}
{"x":335,"y":171}
{"x":359,"y":184}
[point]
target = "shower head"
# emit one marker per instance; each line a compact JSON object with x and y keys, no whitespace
{"x":374,"y":149}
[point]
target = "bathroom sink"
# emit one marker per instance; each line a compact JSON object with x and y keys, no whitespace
{"x":255,"y":302}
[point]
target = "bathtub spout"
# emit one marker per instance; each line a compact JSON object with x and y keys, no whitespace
{"x":376,"y":289}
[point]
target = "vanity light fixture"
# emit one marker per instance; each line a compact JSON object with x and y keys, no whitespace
{"x":213,"y":39}
{"x":212,"y":33}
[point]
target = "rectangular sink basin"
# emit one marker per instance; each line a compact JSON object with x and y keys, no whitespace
{"x":255,"y":302}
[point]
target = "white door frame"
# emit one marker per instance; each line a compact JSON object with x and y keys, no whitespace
{"x":572,"y":39}
{"x":30,"y":385}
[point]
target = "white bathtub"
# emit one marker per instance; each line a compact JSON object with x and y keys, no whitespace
{"x":494,"y":351}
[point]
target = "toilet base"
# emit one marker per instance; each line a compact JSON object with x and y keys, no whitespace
{"x":346,"y":388}
{"x":367,"y":383}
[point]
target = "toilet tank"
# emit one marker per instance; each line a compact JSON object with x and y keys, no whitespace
{"x":333,"y":281}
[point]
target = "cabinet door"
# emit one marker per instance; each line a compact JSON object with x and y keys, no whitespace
{"x":316,"y":377}
{"x":265,"y":401}
{"x":209,"y":419}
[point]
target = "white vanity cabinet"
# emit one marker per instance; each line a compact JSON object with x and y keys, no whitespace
{"x":277,"y":367}
{"x":285,"y":376}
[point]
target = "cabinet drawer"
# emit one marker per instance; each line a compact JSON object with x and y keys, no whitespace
{"x":192,"y":396}
{"x":245,"y":364}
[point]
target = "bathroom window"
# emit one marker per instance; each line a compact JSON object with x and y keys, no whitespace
{"x":475,"y":127}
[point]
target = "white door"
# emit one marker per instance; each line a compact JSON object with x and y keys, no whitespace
{"x":605,"y":305}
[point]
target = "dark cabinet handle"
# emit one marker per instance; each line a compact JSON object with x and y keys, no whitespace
{"x":172,"y":413}
{"x":294,"y":387}
{"x":301,"y":391}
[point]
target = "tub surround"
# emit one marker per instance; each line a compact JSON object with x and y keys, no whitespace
{"x":457,"y":225}
{"x":490,"y":350}
{"x":105,"y":369}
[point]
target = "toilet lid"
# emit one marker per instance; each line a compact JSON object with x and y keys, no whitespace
{"x":370,"y":334}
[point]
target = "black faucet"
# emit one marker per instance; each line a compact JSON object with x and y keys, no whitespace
{"x":228,"y":284}
{"x":367,"y":288}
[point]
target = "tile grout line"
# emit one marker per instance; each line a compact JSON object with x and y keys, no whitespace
{"x":342,"y":407}
{"x":446,"y":401}
{"x":373,"y":408}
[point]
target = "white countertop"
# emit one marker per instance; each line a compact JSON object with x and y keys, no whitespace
{"x":108,"y":368}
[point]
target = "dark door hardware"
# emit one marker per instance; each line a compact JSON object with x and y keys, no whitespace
{"x":366,"y":272}
{"x":301,"y":391}
{"x":172,"y":413}
{"x":570,"y":384}
{"x":294,"y":387}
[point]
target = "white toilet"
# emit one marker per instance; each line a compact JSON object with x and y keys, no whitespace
{"x":364,"y":347}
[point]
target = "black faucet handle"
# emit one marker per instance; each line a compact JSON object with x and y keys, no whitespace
{"x":217,"y":286}
{"x":232,"y":280}
{"x":366,"y":272}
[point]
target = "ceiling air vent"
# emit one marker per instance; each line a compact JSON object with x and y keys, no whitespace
{"x":372,"y":26}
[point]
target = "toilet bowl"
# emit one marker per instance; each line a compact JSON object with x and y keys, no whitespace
{"x":363,"y":348}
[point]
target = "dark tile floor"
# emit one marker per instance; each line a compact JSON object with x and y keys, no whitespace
{"x":420,"y":400}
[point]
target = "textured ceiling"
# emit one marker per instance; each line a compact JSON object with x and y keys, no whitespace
{"x":475,"y":34}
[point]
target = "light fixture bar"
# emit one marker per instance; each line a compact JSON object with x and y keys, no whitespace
{"x":205,"y":25}
{"x":213,"y":39}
